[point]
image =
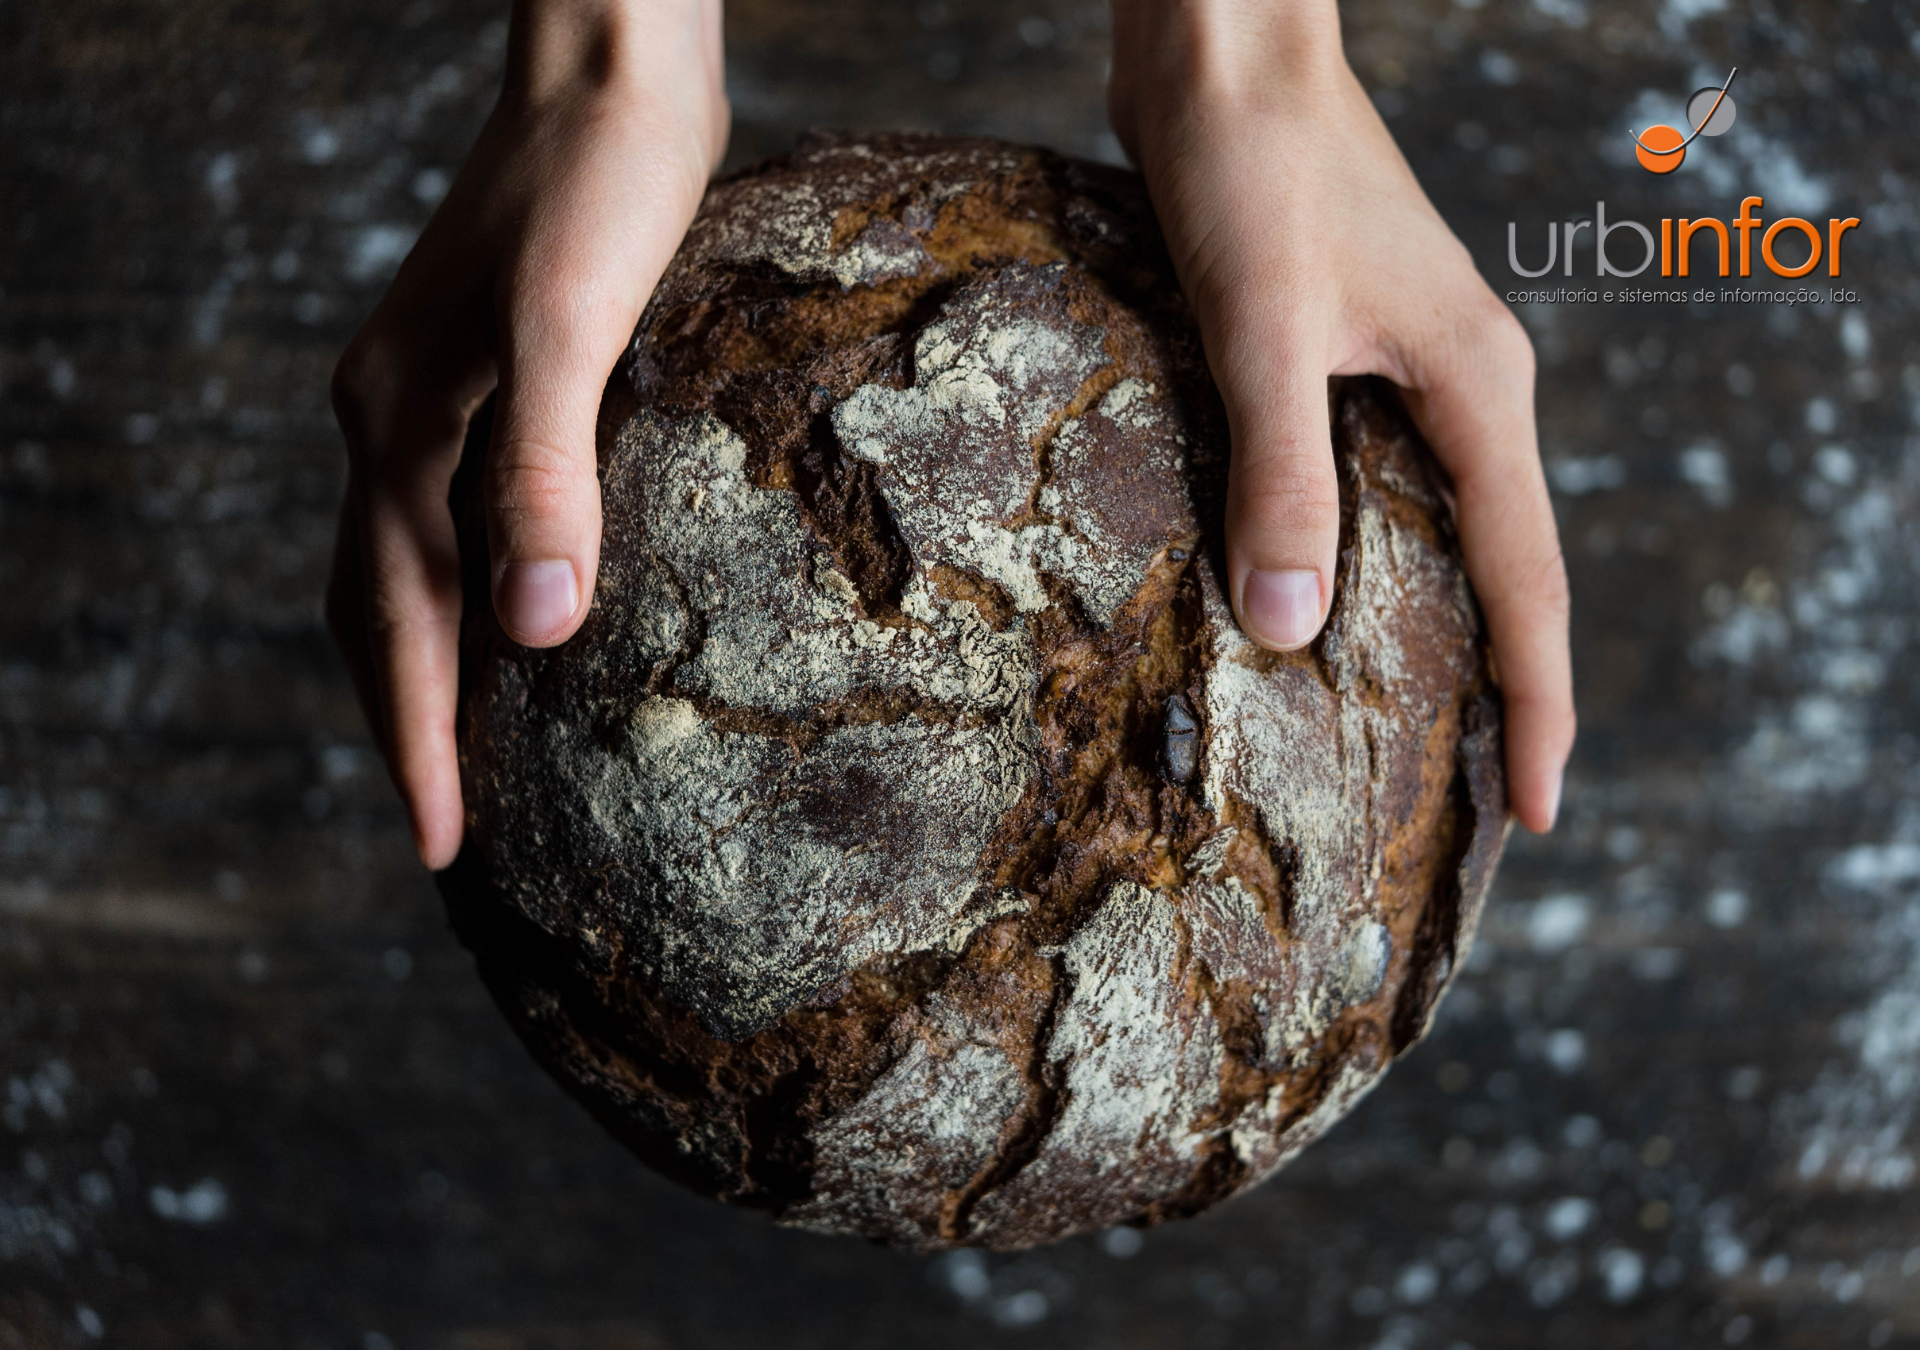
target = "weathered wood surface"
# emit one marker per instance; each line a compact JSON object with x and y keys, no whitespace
{"x":254,"y":1095}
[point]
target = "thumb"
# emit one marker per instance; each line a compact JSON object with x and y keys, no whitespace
{"x":542,"y":492}
{"x":1283,"y":502}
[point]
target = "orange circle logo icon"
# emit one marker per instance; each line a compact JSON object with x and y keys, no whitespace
{"x":1660,"y":149}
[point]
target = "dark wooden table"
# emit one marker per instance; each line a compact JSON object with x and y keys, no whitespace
{"x":253,"y":1094}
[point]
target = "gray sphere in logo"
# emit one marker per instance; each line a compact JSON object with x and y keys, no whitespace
{"x":1700,"y":109}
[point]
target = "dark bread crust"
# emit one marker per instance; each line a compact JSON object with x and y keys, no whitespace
{"x":909,"y":844}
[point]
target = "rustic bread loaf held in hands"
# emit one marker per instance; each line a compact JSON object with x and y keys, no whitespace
{"x":909,"y":843}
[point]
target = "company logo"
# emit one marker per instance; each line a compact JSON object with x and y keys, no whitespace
{"x":1662,"y":149}
{"x":1789,"y":247}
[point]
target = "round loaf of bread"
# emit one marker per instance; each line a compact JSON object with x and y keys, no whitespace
{"x":909,"y":843}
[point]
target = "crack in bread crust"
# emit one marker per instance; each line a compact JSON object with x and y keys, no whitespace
{"x":909,"y":844}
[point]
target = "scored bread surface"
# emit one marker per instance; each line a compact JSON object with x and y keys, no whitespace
{"x":909,"y":843}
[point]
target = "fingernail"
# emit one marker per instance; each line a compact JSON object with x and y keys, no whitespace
{"x":1281,"y":609}
{"x":533,"y":599}
{"x":1553,"y":800}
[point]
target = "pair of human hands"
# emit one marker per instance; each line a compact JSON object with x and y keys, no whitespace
{"x":1299,"y":233}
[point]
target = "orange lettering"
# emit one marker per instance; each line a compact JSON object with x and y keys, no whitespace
{"x":1747,"y":223}
{"x":1689,"y":228}
{"x":1790,"y":223}
{"x":1836,"y":228}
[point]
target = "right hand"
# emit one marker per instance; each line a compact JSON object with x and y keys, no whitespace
{"x":1309,"y":249}
{"x":529,"y":279}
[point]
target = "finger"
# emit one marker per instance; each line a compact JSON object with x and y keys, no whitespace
{"x":412,"y":562}
{"x":405,"y":421}
{"x":346,"y":611}
{"x":565,"y":320}
{"x":566,"y":309}
{"x":1474,"y":401}
{"x":542,"y":496}
{"x":1283,"y":501}
{"x":1283,"y":515}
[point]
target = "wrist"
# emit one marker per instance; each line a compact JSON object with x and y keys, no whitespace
{"x":568,"y":49}
{"x":1214,"y":53}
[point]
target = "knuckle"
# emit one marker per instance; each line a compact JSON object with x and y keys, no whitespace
{"x":532,"y":480}
{"x":1288,"y":502}
{"x":359,"y":377}
{"x":355,"y":374}
{"x":1479,"y":341}
{"x":1293,"y":497}
{"x":389,"y":625}
{"x":1542,"y":590}
{"x":1547,"y":716}
{"x":1552,"y":583}
{"x":403,"y":619}
{"x":398,"y":416}
{"x":1500,"y":340}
